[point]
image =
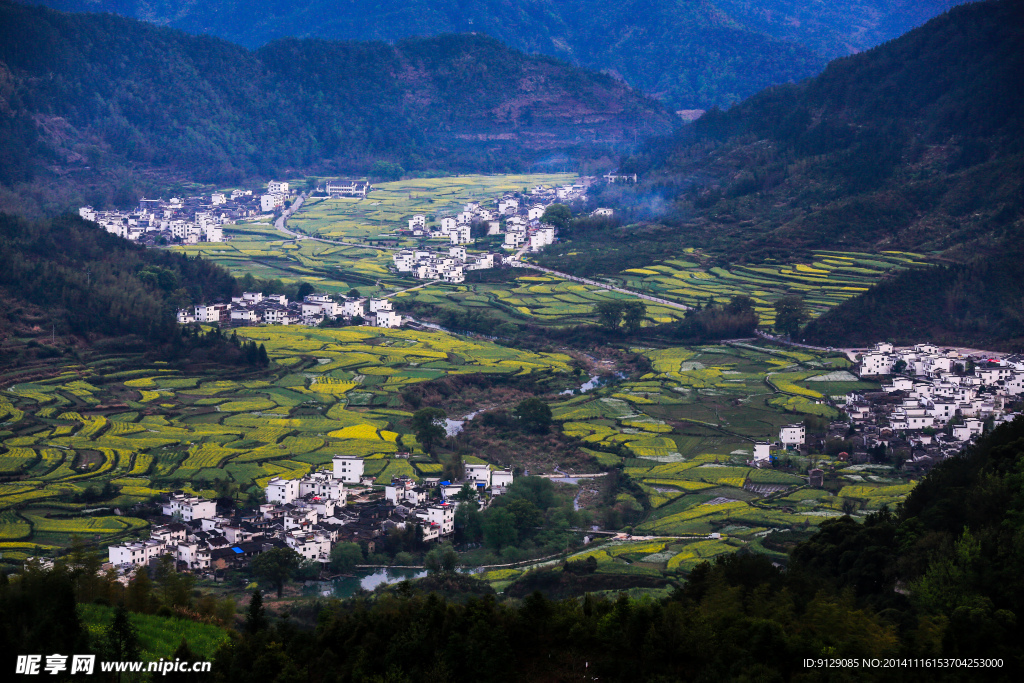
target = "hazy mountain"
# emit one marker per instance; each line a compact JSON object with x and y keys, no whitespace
{"x":690,"y":53}
{"x":97,"y":93}
{"x":915,"y":145}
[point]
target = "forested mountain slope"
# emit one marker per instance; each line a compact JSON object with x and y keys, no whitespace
{"x":916,"y":144}
{"x":68,"y":278}
{"x":690,"y":53}
{"x":82,"y":95}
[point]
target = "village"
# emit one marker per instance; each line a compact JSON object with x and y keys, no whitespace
{"x":518,"y":221}
{"x":256,"y":308}
{"x":308,"y":515}
{"x":188,"y":220}
{"x":932,"y":403}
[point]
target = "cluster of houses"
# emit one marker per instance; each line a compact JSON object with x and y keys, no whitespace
{"x":521,"y":217}
{"x":256,"y":308}
{"x":931,"y":403}
{"x":426,"y":264}
{"x":309,"y":515}
{"x":188,"y":220}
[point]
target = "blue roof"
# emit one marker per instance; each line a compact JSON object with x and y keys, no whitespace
{"x":237,"y":550}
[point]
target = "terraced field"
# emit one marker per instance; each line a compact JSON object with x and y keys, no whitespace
{"x":684,"y":433}
{"x":153,"y":429}
{"x":535,"y":299}
{"x":257,"y":248}
{"x":831,"y":278}
{"x":390,"y":205}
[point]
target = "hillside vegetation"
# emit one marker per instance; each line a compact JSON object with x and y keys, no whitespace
{"x":69,"y":277}
{"x":102,"y":103}
{"x":910,"y":147}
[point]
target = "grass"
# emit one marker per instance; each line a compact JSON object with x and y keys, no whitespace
{"x":159,"y":637}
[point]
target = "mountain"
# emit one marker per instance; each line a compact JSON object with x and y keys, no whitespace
{"x":67,"y":278}
{"x":693,"y":54}
{"x":914,"y":145}
{"x":103,"y":102}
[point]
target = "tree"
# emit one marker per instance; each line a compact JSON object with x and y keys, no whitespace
{"x":122,"y":638}
{"x":790,"y":314}
{"x":353,"y":293}
{"x":740,"y":305}
{"x":442,"y":558}
{"x":633,"y":315}
{"x":276,"y":566}
{"x":609,"y":314}
{"x":534,"y":415}
{"x":469,"y":523}
{"x":528,"y":517}
{"x":305,"y":289}
{"x":255,"y":616}
{"x":428,"y":425}
{"x":899,"y":366}
{"x":557,"y":215}
{"x":345,"y":557}
{"x":500,"y":528}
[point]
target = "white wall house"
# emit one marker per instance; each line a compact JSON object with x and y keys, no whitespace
{"x":137,"y":554}
{"x":282,"y":491}
{"x":792,"y":435}
{"x":189,"y":507}
{"x":348,"y":468}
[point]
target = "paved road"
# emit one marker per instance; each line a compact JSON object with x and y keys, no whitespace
{"x":602,"y":285}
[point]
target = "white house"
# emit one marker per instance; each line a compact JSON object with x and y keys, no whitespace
{"x":792,"y":435}
{"x":138,"y":553}
{"x":876,"y":364}
{"x":277,"y":187}
{"x":282,"y":491}
{"x":501,"y":479}
{"x":417,"y":221}
{"x":189,"y":507}
{"x":479,"y":474}
{"x":762,"y":452}
{"x":312,"y":545}
{"x":443,"y":516}
{"x":348,"y":468}
{"x":353,"y":307}
{"x":269,"y":202}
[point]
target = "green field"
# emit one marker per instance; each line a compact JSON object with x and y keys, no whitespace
{"x":829,"y":279}
{"x":153,"y":429}
{"x":390,"y":205}
{"x":534,"y":299}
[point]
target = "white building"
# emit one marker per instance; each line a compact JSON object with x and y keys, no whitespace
{"x":443,"y":517}
{"x":189,"y":507}
{"x":277,"y":187}
{"x":762,"y":452}
{"x":501,"y":479}
{"x":282,"y":491}
{"x":792,"y":435}
{"x":348,"y":468}
{"x":479,"y":474}
{"x":138,"y":553}
{"x":270,"y":202}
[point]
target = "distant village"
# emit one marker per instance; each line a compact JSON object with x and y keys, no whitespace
{"x":519,"y":221}
{"x":309,"y":515}
{"x":188,"y":220}
{"x":932,"y":402}
{"x":256,"y":308}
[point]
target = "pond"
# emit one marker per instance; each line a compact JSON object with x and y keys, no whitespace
{"x":368,"y":579}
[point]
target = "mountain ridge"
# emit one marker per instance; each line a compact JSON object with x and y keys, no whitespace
{"x":100,"y":97}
